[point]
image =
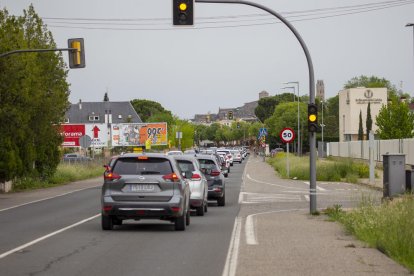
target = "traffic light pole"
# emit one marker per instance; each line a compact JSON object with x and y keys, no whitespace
{"x":312,"y":135}
{"x":35,"y":51}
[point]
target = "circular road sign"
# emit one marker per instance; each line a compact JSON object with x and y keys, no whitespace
{"x":287,"y":135}
{"x":85,"y":141}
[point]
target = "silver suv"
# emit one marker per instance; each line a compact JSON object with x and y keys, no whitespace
{"x":145,"y":186}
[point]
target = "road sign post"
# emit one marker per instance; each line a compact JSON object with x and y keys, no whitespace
{"x":287,"y":135}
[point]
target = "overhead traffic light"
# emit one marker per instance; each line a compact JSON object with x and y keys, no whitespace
{"x":76,"y":56}
{"x":230,"y":115}
{"x":183,"y":12}
{"x":313,"y":117}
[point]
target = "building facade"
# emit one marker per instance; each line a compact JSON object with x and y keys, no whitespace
{"x":354,"y":101}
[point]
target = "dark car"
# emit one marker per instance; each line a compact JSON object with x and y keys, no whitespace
{"x":215,"y":179}
{"x":144,"y":186}
{"x":75,"y":157}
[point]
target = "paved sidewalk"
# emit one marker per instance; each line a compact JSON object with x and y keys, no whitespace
{"x":292,"y":242}
{"x":9,"y":200}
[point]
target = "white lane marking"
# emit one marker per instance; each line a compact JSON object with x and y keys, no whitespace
{"x":47,"y":198}
{"x":317,"y":187}
{"x":272,"y":184}
{"x":250,"y":229}
{"x":5,"y":254}
{"x":307,"y":197}
{"x":233,"y":252}
{"x":247,"y":198}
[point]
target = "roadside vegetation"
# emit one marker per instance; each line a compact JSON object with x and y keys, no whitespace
{"x":387,"y":227}
{"x":327,"y":169}
{"x":64,"y":173}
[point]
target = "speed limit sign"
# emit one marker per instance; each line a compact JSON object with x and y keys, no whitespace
{"x":287,"y":135}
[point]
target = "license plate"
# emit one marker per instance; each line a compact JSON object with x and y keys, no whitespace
{"x":142,"y":188}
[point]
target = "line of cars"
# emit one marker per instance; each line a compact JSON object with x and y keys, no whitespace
{"x":161,"y":186}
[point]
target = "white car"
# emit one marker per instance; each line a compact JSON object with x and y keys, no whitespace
{"x":174,"y":152}
{"x":237,"y":156}
{"x":190,"y":170}
{"x":229,"y":156}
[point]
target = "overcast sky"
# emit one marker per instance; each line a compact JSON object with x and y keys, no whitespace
{"x":232,"y":53}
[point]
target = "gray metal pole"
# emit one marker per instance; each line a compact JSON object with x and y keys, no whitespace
{"x":312,"y":136}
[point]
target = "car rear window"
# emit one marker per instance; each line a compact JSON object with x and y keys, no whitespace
{"x":207,"y":164}
{"x":133,"y":165}
{"x":185,"y":166}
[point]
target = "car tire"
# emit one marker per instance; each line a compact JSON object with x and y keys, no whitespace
{"x":222,"y":200}
{"x":206,"y":207}
{"x":107,"y":222}
{"x":200,"y":210}
{"x":180,"y":222}
{"x":231,"y":164}
{"x":188,"y":217}
{"x":226,"y":175}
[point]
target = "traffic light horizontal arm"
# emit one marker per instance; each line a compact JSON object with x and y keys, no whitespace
{"x":36,"y":51}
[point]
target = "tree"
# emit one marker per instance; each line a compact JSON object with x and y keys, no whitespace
{"x":360,"y":129}
{"x":369,"y":119}
{"x":266,"y":106}
{"x":147,"y":108}
{"x":395,"y":121}
{"x":33,"y":96}
{"x":331,"y":118}
{"x":372,"y":82}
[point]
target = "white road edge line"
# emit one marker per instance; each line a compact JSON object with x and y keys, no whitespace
{"x":233,"y":252}
{"x":5,"y":254}
{"x":317,"y":187}
{"x":47,"y":198}
{"x":272,"y":184}
{"x":250,"y":229}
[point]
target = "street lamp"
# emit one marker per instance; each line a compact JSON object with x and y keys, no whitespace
{"x":322,"y":126}
{"x":294,"y":93}
{"x":299,"y":141}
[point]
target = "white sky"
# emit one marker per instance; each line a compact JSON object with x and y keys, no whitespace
{"x":199,"y":69}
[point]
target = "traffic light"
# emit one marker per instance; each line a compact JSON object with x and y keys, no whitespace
{"x":238,"y":125}
{"x":76,"y":57}
{"x":230,"y":115}
{"x":313,"y":118}
{"x":183,"y":12}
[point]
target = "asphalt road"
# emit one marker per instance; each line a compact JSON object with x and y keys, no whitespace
{"x":63,"y":236}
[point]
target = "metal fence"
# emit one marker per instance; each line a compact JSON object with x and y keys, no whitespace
{"x":360,"y":149}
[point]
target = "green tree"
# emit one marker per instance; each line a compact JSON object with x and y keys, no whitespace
{"x":360,"y":129}
{"x":331,"y":119}
{"x":372,"y":82}
{"x":369,"y":119}
{"x":33,"y":98}
{"x":395,"y":121}
{"x":147,"y":108}
{"x":266,"y":106}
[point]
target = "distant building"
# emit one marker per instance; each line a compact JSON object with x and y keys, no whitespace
{"x":320,"y":90}
{"x":263,"y":94}
{"x":351,"y":103}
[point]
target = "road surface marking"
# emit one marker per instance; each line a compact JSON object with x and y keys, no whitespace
{"x":245,"y":197}
{"x":317,"y":187}
{"x":47,"y":198}
{"x":272,"y":184}
{"x":233,"y":252}
{"x":250,"y":228}
{"x":5,"y":254}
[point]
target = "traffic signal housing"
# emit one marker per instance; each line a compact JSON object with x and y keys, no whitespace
{"x":183,"y":14}
{"x":313,"y":117}
{"x":77,"y":55}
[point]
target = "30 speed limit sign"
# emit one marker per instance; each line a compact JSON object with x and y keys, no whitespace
{"x":287,"y":135}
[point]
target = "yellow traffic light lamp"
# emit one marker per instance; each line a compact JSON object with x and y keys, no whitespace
{"x":183,"y":12}
{"x":313,"y":117}
{"x":77,"y":53}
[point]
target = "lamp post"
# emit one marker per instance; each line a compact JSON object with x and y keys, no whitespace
{"x":411,"y":25}
{"x":298,"y":131}
{"x":322,"y":126}
{"x":299,"y":141}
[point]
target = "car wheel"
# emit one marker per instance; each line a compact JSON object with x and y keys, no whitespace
{"x":205,"y":207}
{"x":107,"y":222}
{"x":222,"y":200}
{"x":200,"y":210}
{"x":226,"y":175}
{"x":187,"y":217}
{"x":231,"y":164}
{"x":180,"y":222}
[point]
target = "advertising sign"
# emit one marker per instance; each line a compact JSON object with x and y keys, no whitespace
{"x":138,"y":134}
{"x":72,"y":133}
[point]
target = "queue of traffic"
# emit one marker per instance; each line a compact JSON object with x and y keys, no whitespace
{"x":166,"y":186}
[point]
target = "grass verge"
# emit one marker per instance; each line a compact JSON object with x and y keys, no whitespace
{"x":326,"y":170}
{"x":388,"y":227}
{"x":65,"y":173}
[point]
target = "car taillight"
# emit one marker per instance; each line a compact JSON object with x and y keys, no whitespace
{"x":107,"y":208}
{"x":172,"y":177}
{"x":108,"y":175}
{"x":215,"y":173}
{"x":195,"y":176}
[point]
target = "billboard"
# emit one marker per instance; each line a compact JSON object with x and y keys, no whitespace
{"x":72,"y":132}
{"x":137,"y":134}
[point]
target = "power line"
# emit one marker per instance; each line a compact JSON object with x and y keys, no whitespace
{"x":344,"y":11}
